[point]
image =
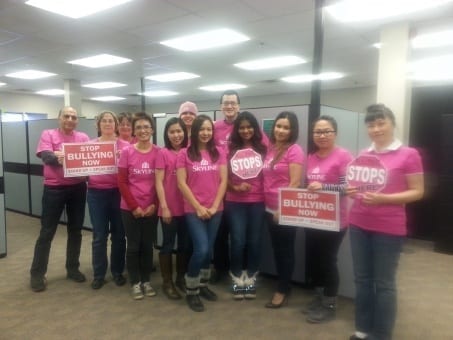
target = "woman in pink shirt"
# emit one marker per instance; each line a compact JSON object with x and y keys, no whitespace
{"x":326,"y":170}
{"x":282,"y":169}
{"x":378,"y":221}
{"x":202,"y":179}
{"x":136,"y":181}
{"x":103,"y":200}
{"x":171,"y":208}
{"x":244,"y":203}
{"x":125,"y":127}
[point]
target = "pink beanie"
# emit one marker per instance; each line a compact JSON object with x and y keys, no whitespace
{"x":188,"y":107}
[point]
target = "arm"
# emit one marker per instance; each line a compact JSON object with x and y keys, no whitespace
{"x":340,"y":187}
{"x":49,"y":158}
{"x":221,"y":189}
{"x":181,"y":175}
{"x":415,"y":184}
{"x":166,"y":214}
{"x":295,"y":179}
{"x":123,"y":186}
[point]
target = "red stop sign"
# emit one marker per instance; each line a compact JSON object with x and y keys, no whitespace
{"x":246,"y":163}
{"x":367,"y":173}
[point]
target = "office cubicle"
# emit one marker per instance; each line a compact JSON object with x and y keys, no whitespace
{"x":3,"y":249}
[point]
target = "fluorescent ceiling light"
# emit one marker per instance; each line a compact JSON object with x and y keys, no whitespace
{"x":173,"y":76}
{"x":377,"y":45}
{"x":51,"y":92}
{"x":2,"y":84}
{"x":160,"y":93}
{"x":437,"y":39}
{"x":432,"y":69}
{"x":222,"y":87}
{"x":30,"y":74}
{"x":100,"y":60}
{"x":306,"y":78}
{"x":104,"y":85}
{"x":261,"y":64}
{"x":210,"y":39}
{"x":365,"y":10}
{"x":75,"y":9}
{"x":107,"y":98}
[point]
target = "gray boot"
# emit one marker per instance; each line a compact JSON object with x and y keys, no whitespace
{"x":193,"y":294}
{"x":314,"y":303}
{"x":205,"y":292}
{"x":325,"y":312}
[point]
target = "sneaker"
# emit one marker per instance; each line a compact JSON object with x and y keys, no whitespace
{"x":76,"y":275}
{"x":38,"y":283}
{"x":97,"y":283}
{"x":136,"y":292}
{"x":148,"y":290}
{"x":194,"y":303}
{"x":119,"y":280}
{"x":322,"y":314}
{"x":207,"y":294}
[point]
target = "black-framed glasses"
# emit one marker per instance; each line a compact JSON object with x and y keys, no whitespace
{"x":327,"y":133}
{"x":226,"y":103}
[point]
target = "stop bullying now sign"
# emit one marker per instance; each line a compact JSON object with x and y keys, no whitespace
{"x":303,"y":208}
{"x":83,"y":159}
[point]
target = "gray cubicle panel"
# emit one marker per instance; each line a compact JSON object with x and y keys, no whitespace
{"x":16,"y":170}
{"x":2,"y":206}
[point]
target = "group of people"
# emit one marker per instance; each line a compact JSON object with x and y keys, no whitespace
{"x":197,"y":184}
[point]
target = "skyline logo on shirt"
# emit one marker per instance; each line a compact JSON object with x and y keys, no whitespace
{"x":204,"y":166}
{"x":145,"y":170}
{"x":315,"y":175}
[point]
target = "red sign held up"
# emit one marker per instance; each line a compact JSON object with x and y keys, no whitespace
{"x":83,"y":159}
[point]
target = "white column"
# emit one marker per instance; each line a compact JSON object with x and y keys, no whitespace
{"x":393,"y":87}
{"x":72,"y":95}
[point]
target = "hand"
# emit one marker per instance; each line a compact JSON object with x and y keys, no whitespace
{"x":149,"y":211}
{"x":212,"y":211}
{"x":166,"y":215}
{"x":314,"y":186}
{"x":60,"y":156}
{"x":243,"y":187}
{"x":372,"y":198}
{"x":138,"y":213}
{"x":351,"y":191}
{"x":203,"y":213}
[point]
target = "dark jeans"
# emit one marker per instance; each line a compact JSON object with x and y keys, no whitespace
{"x":177,"y":227}
{"x":282,"y":238}
{"x":321,"y":251}
{"x":139,"y":250}
{"x":375,"y":259}
{"x":54,"y":201}
{"x":202,"y":234}
{"x":246,"y":222}
{"x":221,"y":258}
{"x":105,"y":215}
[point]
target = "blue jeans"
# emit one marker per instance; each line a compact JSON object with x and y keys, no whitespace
{"x":105,"y":215}
{"x":246,"y":222}
{"x":177,"y":227}
{"x":54,"y":200}
{"x":375,"y":260}
{"x":203,"y":234}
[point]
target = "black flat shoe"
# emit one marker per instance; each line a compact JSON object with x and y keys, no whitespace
{"x":272,"y":305}
{"x":97,"y":283}
{"x":119,"y":280}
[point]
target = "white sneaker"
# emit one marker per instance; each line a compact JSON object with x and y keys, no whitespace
{"x":136,"y":292}
{"x":148,"y":290}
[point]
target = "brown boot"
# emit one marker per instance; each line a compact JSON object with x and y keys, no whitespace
{"x":166,"y":269}
{"x":181,"y":268}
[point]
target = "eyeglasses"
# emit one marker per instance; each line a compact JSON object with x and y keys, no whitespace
{"x":70,"y":117}
{"x":326,"y":133}
{"x":143,"y":127}
{"x":229,"y":103}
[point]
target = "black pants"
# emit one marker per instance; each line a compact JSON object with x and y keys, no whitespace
{"x":139,"y":245}
{"x":54,"y":200}
{"x":321,"y":254}
{"x":221,"y":256}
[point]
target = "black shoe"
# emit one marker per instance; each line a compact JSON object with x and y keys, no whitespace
{"x":119,"y":280}
{"x":194,"y":303}
{"x":38,"y":283}
{"x":76,"y":276}
{"x":97,"y":283}
{"x":207,"y":294}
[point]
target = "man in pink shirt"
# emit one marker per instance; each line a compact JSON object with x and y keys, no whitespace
{"x":59,"y":193}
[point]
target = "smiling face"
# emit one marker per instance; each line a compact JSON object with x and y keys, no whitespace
{"x":324,"y":135}
{"x":175,"y":135}
{"x":107,"y":125}
{"x":187,"y":118}
{"x":282,"y":130}
{"x":143,"y":130}
{"x":246,"y":131}
{"x":125,"y":129}
{"x":230,"y":107}
{"x":205,"y":133}
{"x":67,"y":120}
{"x":381,"y":131}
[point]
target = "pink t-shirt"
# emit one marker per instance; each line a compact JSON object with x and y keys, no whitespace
{"x":107,"y":181}
{"x":278,"y":176}
{"x":222,"y":132}
{"x":330,"y":170}
{"x":166,"y":160}
{"x":255,"y":194}
{"x":141,"y":175}
{"x":203,"y":177}
{"x":388,"y":218}
{"x":52,"y":140}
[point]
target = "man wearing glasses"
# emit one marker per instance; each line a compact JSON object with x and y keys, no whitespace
{"x":59,"y":193}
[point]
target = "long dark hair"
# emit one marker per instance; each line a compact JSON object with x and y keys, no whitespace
{"x":170,"y":122}
{"x":293,"y":135}
{"x":193,"y":150}
{"x":236,"y":142}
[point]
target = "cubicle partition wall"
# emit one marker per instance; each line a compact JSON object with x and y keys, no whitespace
{"x":2,"y":203}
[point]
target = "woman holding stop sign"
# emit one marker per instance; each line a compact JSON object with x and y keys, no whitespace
{"x":282,"y":169}
{"x":244,"y":203}
{"x":378,"y":223}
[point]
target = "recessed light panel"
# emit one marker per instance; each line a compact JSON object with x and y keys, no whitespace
{"x":222,"y":87}
{"x":100,"y":60}
{"x":30,"y":74}
{"x":2,"y":84}
{"x":261,"y":64}
{"x":432,"y":69}
{"x":436,"y":39}
{"x":167,"y":77}
{"x":51,"y":92}
{"x":104,"y":85}
{"x":108,"y":98}
{"x":306,"y":78}
{"x":205,"y":40}
{"x":75,"y":8}
{"x":160,"y":93}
